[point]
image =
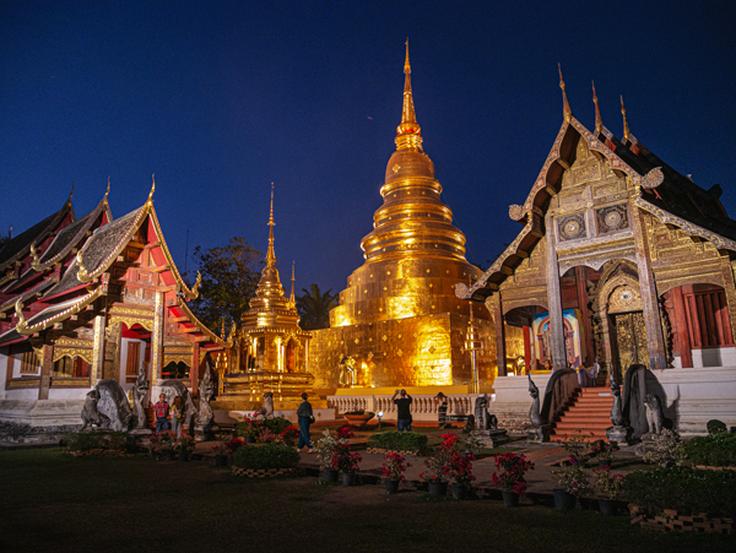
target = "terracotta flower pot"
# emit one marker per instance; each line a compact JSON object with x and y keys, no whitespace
{"x":437,"y":489}
{"x":392,"y":486}
{"x":563,"y":501}
{"x":510,"y":499}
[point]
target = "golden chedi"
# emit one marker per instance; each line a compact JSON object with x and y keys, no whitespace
{"x":399,"y":321}
{"x":272,"y":351}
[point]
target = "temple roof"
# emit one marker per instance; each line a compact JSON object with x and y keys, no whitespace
{"x":664,"y":192}
{"x":16,"y":248}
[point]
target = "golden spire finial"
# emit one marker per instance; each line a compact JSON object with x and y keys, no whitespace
{"x":271,"y":252}
{"x":598,"y":118}
{"x":222,"y":327}
{"x":566,"y":111}
{"x":292,"y":294}
{"x":153,"y":189}
{"x":627,"y":133}
{"x":408,"y":133}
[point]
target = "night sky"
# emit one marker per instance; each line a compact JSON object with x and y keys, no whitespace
{"x":220,"y":98}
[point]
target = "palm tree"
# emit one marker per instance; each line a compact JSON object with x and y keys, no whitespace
{"x":314,"y":307}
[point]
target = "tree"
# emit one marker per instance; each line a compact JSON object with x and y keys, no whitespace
{"x":229,"y":278}
{"x":314,"y":307}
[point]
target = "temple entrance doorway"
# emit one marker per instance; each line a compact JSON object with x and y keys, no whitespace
{"x":629,"y":340}
{"x":290,"y":356}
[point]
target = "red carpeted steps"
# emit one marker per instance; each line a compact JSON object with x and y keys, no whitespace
{"x":587,"y":418}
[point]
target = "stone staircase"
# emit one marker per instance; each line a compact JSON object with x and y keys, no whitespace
{"x":587,"y":418}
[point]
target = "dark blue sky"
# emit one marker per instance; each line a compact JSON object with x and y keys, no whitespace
{"x":220,"y":98}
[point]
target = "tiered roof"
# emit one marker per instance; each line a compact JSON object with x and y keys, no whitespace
{"x":669,"y":196}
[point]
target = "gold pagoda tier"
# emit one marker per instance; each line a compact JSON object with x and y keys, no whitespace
{"x":271,"y":350}
{"x":399,"y":321}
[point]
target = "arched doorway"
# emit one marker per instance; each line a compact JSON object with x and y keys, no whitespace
{"x":290,"y":355}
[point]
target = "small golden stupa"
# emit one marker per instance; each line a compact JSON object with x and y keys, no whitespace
{"x":399,"y":322}
{"x":271,"y":349}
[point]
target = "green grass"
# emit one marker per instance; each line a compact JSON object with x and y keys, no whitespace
{"x":57,"y":503}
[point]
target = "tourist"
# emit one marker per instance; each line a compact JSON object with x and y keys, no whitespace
{"x":442,"y":421}
{"x":306,"y":418}
{"x":403,"y":410}
{"x":161,"y":412}
{"x":176,"y":416}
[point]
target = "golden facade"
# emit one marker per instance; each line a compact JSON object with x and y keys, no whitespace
{"x":399,"y":320}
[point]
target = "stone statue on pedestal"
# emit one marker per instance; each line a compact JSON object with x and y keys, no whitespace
{"x":484,"y":420}
{"x":205,"y":415}
{"x":267,"y":407}
{"x":140,"y":398}
{"x":106,"y":407}
{"x":618,"y":432}
{"x":539,"y":430}
{"x":655,"y":418}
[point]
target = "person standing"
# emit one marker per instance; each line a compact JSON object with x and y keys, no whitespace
{"x":442,"y":421}
{"x":403,"y":410}
{"x":176,"y":416}
{"x":306,"y":417}
{"x":161,"y":412}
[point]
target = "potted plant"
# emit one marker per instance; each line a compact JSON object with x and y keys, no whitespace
{"x":392,"y":470}
{"x":325,"y":448}
{"x":460,"y":473}
{"x":437,"y":467}
{"x":572,"y":481}
{"x":221,"y":452}
{"x":161,"y":446}
{"x":184,"y":447}
{"x":347,"y":463}
{"x":509,"y":476}
{"x":608,"y":486}
{"x":289,"y":435}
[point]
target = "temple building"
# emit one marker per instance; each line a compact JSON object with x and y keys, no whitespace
{"x":399,"y":321}
{"x":620,"y":259}
{"x":271,"y":352}
{"x":91,"y":298}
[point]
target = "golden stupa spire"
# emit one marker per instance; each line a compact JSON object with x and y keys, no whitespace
{"x":292,"y":294}
{"x":566,"y":111}
{"x":627,"y":133}
{"x":271,"y":252}
{"x":598,"y":118}
{"x":408,"y":133}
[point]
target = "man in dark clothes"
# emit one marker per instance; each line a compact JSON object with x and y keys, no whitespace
{"x":403,"y":408}
{"x":306,"y":418}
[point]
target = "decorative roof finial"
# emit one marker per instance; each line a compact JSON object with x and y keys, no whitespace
{"x":598,"y":118}
{"x":153,"y":189}
{"x":292,"y":295}
{"x":627,"y":133}
{"x":408,"y":133}
{"x":196,"y":285}
{"x":566,"y":111}
{"x":35,"y":259}
{"x":107,"y":189}
{"x":71,"y":194}
{"x":222,"y":327}
{"x":271,"y":252}
{"x":22,"y":324}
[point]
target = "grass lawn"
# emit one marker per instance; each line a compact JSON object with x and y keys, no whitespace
{"x":52,"y":502}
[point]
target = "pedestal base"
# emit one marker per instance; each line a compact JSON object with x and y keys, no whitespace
{"x":539,"y":434}
{"x":618,"y":434}
{"x":491,"y":438}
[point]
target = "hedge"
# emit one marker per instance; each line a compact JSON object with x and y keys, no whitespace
{"x":252,"y":428}
{"x":716,"y":450}
{"x":88,"y":441}
{"x":266,"y":456}
{"x":399,"y":441}
{"x":684,"y":489}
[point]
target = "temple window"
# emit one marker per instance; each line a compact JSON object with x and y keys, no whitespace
{"x":71,"y":367}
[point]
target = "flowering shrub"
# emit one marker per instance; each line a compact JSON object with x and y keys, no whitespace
{"x":399,"y":441}
{"x":572,"y":477}
{"x":185,"y":444}
{"x":663,"y":449}
{"x":221,"y":449}
{"x":235,"y":443}
{"x":161,"y":443}
{"x":600,"y":451}
{"x":289,"y":434}
{"x":345,"y":460}
{"x":451,"y":461}
{"x":272,"y":455}
{"x":344,"y":432}
{"x":606,"y":483}
{"x":394,"y":466}
{"x":326,"y":447}
{"x":257,"y":430}
{"x":716,"y":450}
{"x":510,"y":471}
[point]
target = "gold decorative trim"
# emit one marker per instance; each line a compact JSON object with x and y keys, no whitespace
{"x":23,"y":328}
